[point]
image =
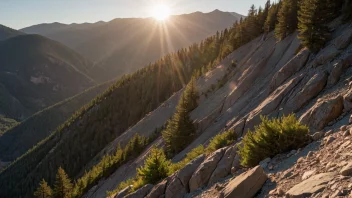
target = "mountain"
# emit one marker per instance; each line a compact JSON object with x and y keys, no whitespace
{"x":6,"y":123}
{"x":36,"y":72}
{"x":122,"y":46}
{"x":6,"y":32}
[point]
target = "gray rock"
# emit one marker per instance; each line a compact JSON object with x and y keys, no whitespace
{"x":158,"y":189}
{"x":329,"y":139}
{"x":343,"y":128}
{"x":223,"y":168}
{"x":343,"y":40}
{"x":328,"y":133}
{"x":245,"y":185}
{"x":323,"y":112}
{"x":175,"y":189}
{"x":140,"y":193}
{"x":123,"y":192}
{"x":335,"y":74}
{"x":326,"y":55}
{"x":264,"y":163}
{"x":314,"y":184}
{"x":203,"y":173}
{"x":186,"y":172}
{"x":236,"y":164}
{"x":346,"y":133}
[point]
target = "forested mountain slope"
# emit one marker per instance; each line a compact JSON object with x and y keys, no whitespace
{"x":6,"y":32}
{"x":122,"y":46}
{"x":36,"y":72}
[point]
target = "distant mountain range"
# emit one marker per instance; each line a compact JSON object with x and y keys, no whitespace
{"x":122,"y":46}
{"x":36,"y":72}
{"x":6,"y":32}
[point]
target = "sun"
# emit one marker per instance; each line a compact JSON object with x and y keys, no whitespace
{"x":161,"y":12}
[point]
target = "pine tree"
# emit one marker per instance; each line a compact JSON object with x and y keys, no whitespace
{"x":43,"y":190}
{"x":180,"y":130}
{"x":287,"y":19}
{"x":313,"y":17}
{"x":156,"y":167}
{"x":63,"y":185}
{"x":271,"y":19}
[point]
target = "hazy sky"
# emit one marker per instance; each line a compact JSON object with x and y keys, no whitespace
{"x":22,"y":13}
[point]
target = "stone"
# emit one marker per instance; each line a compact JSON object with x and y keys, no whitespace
{"x":347,"y":101}
{"x":293,"y":66}
{"x":329,"y":140}
{"x":346,"y":133}
{"x":123,"y":192}
{"x":224,"y":166}
{"x":186,"y":172}
{"x":323,"y":112}
{"x":203,"y":173}
{"x":158,"y":189}
{"x":329,"y":133}
{"x":140,"y":193}
{"x":325,"y":56}
{"x":336,"y":72}
{"x":308,"y":174}
{"x":350,"y":120}
{"x":264,"y":163}
{"x":175,"y":189}
{"x":347,"y":170}
{"x":314,"y":184}
{"x":245,"y":185}
{"x":318,"y":135}
{"x":236,"y":164}
{"x":343,"y":128}
{"x":342,"y":41}
{"x":310,"y":154}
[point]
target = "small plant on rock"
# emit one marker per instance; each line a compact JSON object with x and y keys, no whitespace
{"x":221,"y":140}
{"x":272,"y":137}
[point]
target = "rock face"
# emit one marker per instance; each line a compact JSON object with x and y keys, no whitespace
{"x":323,"y":112}
{"x":140,"y":193}
{"x":311,"y":89}
{"x":123,"y":192}
{"x":343,"y":40}
{"x":178,"y":185}
{"x":293,"y":66}
{"x":347,"y":101}
{"x":224,"y":166}
{"x":335,"y":74}
{"x":325,"y":56}
{"x":347,"y":170}
{"x":310,"y":186}
{"x":203,"y":173}
{"x":158,"y":190}
{"x":245,"y":185}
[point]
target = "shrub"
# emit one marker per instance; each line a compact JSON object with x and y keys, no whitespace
{"x":272,"y":137}
{"x":221,"y":140}
{"x":156,"y":167}
{"x":189,"y":157}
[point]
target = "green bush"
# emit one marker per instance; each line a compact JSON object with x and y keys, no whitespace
{"x":272,"y":137}
{"x":221,"y":140}
{"x":189,"y":157}
{"x":156,"y":167}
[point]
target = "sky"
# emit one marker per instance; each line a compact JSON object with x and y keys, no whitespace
{"x":18,"y":14}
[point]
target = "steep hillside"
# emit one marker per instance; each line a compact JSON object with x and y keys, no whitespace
{"x":122,"y":46}
{"x":271,"y":78}
{"x":36,"y":72}
{"x":6,"y":32}
{"x":16,"y":141}
{"x":6,"y":123}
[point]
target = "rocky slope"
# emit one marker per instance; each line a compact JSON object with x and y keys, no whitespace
{"x":115,"y":45}
{"x":271,"y":78}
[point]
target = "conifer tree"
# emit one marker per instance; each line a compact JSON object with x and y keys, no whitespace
{"x":156,"y":167}
{"x":287,"y":19}
{"x":313,"y":17}
{"x":271,"y":19}
{"x":180,"y":130}
{"x":43,"y":190}
{"x":63,"y":185}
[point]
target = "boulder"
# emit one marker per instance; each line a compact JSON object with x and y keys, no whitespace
{"x":223,"y":168}
{"x":158,"y":189}
{"x":310,"y":90}
{"x":325,"y":56}
{"x":179,"y":182}
{"x":293,"y":66}
{"x":347,"y":170}
{"x":245,"y":185}
{"x":336,"y":72}
{"x":236,"y":164}
{"x":343,"y":40}
{"x":265,"y":162}
{"x":203,"y":173}
{"x":314,"y":184}
{"x":318,"y":135}
{"x":140,"y":193}
{"x":323,"y":112}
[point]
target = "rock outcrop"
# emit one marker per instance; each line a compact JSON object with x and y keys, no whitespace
{"x":245,"y":185}
{"x":203,"y":173}
{"x":323,"y":112}
{"x":142,"y":192}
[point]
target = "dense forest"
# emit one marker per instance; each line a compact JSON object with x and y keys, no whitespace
{"x":80,"y":138}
